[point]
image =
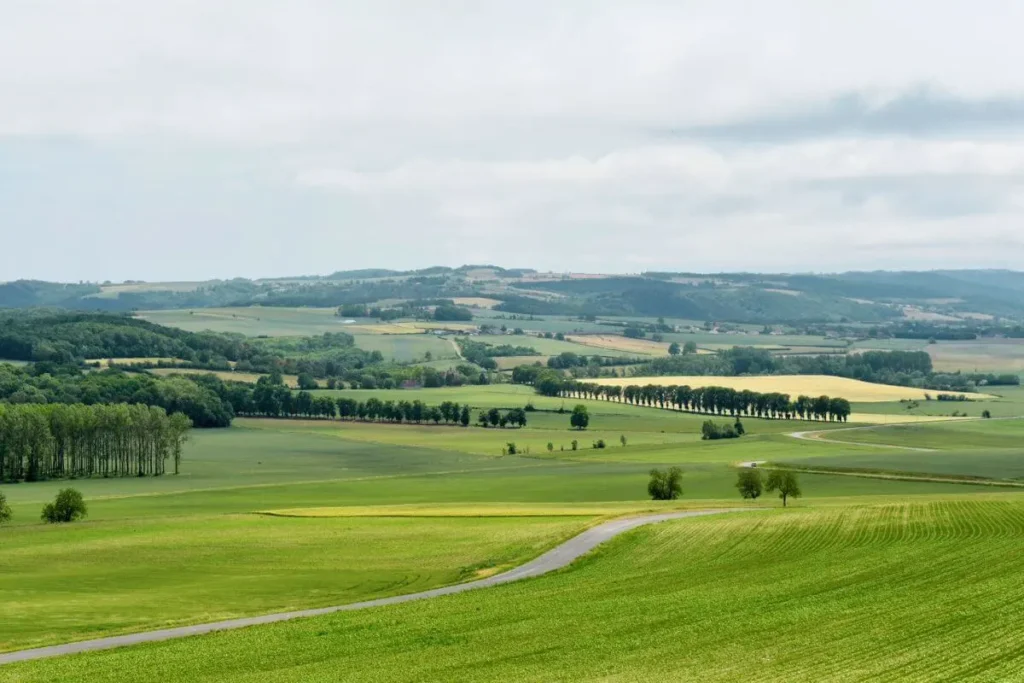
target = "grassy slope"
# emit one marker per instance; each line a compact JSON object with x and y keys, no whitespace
{"x":922,"y":591}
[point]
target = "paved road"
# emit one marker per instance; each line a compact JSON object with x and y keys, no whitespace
{"x":556,"y":558}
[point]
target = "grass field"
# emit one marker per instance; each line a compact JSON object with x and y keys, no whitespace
{"x":406,"y":348}
{"x":637,"y":347}
{"x":983,"y":355}
{"x":922,"y":591}
{"x":810,"y":385}
{"x":551,"y":347}
{"x":281,"y":514}
{"x":252,"y":321}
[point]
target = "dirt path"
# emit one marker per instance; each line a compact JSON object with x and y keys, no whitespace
{"x":817,"y":435}
{"x":556,"y":558}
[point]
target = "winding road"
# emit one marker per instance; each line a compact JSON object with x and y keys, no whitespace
{"x":556,"y":558}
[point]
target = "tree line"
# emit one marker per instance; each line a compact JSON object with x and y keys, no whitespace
{"x":711,"y":400}
{"x":39,"y":442}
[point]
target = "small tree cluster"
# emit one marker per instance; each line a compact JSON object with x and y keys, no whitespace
{"x":665,"y":484}
{"x":710,"y":431}
{"x":67,"y":507}
{"x":516,"y":417}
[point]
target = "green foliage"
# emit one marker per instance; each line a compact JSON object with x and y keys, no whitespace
{"x":580,"y":417}
{"x":749,"y":482}
{"x":452,"y":313}
{"x":599,"y":444}
{"x":785,"y":482}
{"x":39,"y":442}
{"x":710,"y":431}
{"x":673,"y":349}
{"x":665,"y":484}
{"x":5,"y":509}
{"x":69,"y":506}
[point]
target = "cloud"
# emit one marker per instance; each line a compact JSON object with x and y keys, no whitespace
{"x":258,"y":137}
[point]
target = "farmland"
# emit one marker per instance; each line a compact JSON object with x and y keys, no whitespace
{"x":275,"y":515}
{"x":888,"y":590}
{"x":811,"y":385}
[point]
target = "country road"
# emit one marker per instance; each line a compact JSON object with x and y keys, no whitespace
{"x":817,"y":435}
{"x":556,"y":558}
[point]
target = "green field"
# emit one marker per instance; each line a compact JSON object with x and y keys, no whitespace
{"x":758,"y":595}
{"x":252,"y":321}
{"x":923,"y":591}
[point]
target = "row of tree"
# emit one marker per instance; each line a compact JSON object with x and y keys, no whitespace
{"x":714,"y":400}
{"x":59,"y":441}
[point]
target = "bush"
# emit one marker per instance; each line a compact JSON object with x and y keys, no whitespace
{"x":551,"y":446}
{"x":712,"y":432}
{"x":665,"y":485}
{"x":5,"y":509}
{"x":511,"y":448}
{"x":575,"y":444}
{"x":986,"y":414}
{"x":599,"y":443}
{"x":68,"y":506}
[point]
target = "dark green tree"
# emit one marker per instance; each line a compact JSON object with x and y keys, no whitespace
{"x":665,"y":484}
{"x":580,"y":418}
{"x":67,"y":507}
{"x":749,"y":483}
{"x":464,"y":417}
{"x":5,"y":509}
{"x":785,"y":483}
{"x":673,"y":349}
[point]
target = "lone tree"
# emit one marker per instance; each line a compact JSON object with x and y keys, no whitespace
{"x":750,"y":483}
{"x":5,"y":509}
{"x":580,"y":418}
{"x":673,"y":349}
{"x":665,"y":485}
{"x":67,"y":507}
{"x":690,"y":348}
{"x":785,"y":483}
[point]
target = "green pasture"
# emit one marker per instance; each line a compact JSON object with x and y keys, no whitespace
{"x":252,"y":321}
{"x":406,"y":348}
{"x":923,"y":590}
{"x":1006,"y":402}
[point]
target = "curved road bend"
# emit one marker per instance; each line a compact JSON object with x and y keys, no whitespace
{"x":556,"y":558}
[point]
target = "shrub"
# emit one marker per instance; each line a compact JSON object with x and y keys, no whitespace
{"x":575,"y":444}
{"x":986,"y":414}
{"x":622,"y":439}
{"x":511,"y":447}
{"x":665,"y":485}
{"x":712,"y":432}
{"x":66,"y":507}
{"x":599,"y":443}
{"x":551,"y":446}
{"x":5,"y":509}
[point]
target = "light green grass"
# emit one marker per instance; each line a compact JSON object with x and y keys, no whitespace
{"x":922,"y":591}
{"x":102,"y":578}
{"x":252,"y":321}
{"x":405,"y":348}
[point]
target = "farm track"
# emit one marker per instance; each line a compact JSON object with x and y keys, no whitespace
{"x":558,"y":557}
{"x":817,"y":435}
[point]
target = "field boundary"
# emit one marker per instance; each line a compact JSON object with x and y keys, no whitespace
{"x":558,"y":557}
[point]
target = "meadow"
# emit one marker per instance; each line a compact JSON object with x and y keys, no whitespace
{"x":913,"y":590}
{"x":273,"y":515}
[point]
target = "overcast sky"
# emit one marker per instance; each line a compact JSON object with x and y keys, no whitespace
{"x":189,"y":139}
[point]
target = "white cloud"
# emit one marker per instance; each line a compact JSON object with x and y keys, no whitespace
{"x":583,"y":126}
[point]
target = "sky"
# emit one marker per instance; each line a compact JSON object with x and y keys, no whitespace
{"x":188,"y":139}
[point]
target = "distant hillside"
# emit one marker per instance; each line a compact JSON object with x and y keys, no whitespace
{"x":856,"y":297}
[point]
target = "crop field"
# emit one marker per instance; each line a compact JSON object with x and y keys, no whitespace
{"x":252,"y":321}
{"x":550,"y":347}
{"x":988,"y":355}
{"x":510,"y":362}
{"x":273,"y":515}
{"x":406,"y":347}
{"x":476,"y":301}
{"x":105,"y":362}
{"x":810,"y":385}
{"x":638,"y":347}
{"x":923,"y":590}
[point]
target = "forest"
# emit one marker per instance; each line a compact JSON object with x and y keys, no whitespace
{"x":44,"y":383}
{"x":39,"y":442}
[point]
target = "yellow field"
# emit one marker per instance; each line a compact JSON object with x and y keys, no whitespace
{"x":250,"y":377}
{"x":509,"y":362}
{"x":644,"y":347}
{"x":476,"y":301}
{"x":481,"y":510}
{"x":794,"y":385}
